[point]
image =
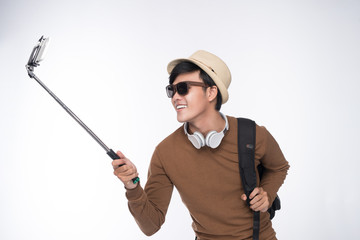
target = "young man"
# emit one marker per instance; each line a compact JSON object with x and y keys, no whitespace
{"x":201,"y":160}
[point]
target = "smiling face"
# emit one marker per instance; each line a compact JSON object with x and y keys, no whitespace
{"x":197,"y":103}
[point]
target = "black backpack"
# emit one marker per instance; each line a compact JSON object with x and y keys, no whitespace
{"x":246,"y":149}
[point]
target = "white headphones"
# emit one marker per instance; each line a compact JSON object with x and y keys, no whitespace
{"x":213,"y":138}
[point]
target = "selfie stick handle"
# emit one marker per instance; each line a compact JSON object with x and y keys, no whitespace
{"x":114,"y":156}
{"x":109,"y":151}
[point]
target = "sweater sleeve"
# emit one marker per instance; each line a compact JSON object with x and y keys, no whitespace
{"x":149,"y":205}
{"x":273,"y":161}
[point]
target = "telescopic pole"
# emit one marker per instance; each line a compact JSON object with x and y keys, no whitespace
{"x":109,"y":151}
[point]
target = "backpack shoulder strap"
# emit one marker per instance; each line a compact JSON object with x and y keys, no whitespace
{"x":246,"y":154}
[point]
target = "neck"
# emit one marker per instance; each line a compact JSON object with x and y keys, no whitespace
{"x":208,"y":122}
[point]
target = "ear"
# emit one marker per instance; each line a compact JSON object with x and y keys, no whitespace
{"x":212,"y":93}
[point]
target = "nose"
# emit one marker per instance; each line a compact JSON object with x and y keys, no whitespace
{"x":176,"y":98}
{"x":176,"y":95}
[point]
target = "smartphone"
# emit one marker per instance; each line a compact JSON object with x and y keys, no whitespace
{"x":38,"y":53}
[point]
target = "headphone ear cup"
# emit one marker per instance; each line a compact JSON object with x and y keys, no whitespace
{"x":197,"y":139}
{"x":209,"y":136}
{"x":213,"y":139}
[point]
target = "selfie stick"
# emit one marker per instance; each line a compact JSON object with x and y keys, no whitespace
{"x":36,"y":56}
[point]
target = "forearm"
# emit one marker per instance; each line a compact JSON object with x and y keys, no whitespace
{"x":147,"y":215}
{"x":275,"y":166}
{"x":272,"y":180}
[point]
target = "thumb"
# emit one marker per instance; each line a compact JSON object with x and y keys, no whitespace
{"x":120,"y":154}
{"x":243,"y":197}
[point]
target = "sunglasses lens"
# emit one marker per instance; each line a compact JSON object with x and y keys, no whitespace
{"x":182,"y":88}
{"x":170,"y":91}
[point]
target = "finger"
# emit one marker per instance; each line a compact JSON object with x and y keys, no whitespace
{"x":261,"y":207}
{"x":261,"y":194}
{"x":255,"y":192}
{"x":258,"y":197}
{"x":116,"y":163}
{"x":122,"y":172}
{"x":126,"y":176}
{"x":264,"y":209}
{"x":261,"y":202}
{"x":130,"y":177}
{"x":123,"y":175}
{"x":123,"y":169}
{"x":257,"y":202}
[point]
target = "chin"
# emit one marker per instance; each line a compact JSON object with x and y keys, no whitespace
{"x":182,"y":118}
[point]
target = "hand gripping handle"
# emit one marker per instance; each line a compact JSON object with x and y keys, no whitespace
{"x":114,"y":156}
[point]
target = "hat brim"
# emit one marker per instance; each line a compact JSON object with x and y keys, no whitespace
{"x":222,"y":88}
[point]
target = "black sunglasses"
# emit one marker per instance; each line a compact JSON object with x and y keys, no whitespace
{"x":182,"y":88}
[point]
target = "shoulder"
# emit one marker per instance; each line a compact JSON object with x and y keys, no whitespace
{"x":262,"y":136}
{"x":172,"y":139}
{"x":173,"y":144}
{"x":261,"y":131}
{"x":266,"y":145}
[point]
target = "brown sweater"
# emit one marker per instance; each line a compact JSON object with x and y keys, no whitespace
{"x":209,"y":184}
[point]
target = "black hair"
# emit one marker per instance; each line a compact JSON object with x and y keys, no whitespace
{"x":188,"y":67}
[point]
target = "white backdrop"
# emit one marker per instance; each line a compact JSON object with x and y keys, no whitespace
{"x":295,"y":68}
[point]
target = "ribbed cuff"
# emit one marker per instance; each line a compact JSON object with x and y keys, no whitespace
{"x":135,"y":193}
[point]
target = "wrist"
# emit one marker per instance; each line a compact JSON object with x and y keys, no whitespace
{"x":130,"y":185}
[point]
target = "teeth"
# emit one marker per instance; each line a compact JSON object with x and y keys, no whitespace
{"x":181,"y":106}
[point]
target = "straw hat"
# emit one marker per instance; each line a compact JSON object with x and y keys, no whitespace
{"x":213,"y":66}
